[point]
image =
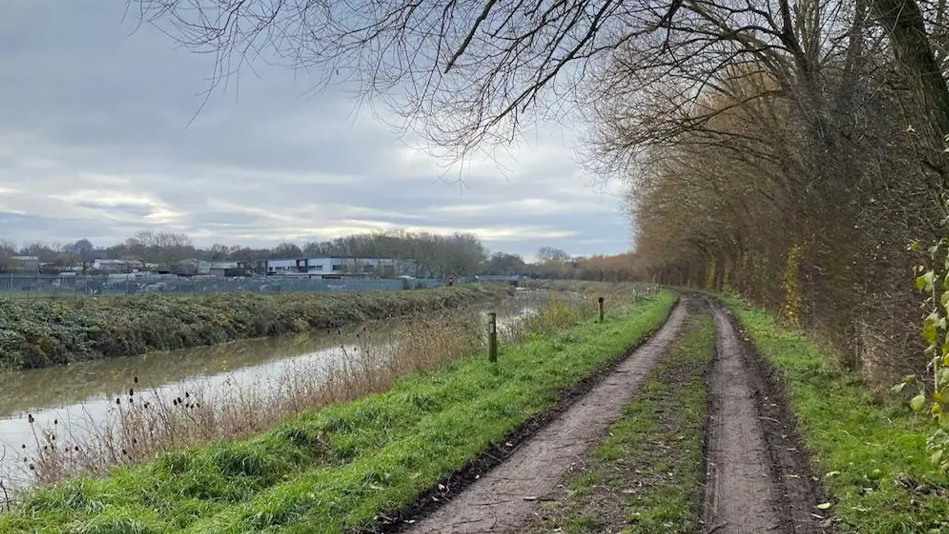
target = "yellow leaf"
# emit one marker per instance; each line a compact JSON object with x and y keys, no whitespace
{"x":823,"y":506}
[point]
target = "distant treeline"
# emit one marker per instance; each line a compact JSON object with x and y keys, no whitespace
{"x":434,"y":255}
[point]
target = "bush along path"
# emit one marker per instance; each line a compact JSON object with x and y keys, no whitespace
{"x":55,"y":332}
{"x":645,"y":477}
{"x":349,"y":466}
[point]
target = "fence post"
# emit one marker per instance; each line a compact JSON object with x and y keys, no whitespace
{"x":600,"y":304}
{"x":493,"y":337}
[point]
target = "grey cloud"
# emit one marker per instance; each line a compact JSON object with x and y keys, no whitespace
{"x":96,"y":140}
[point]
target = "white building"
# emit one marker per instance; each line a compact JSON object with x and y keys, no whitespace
{"x":385,"y":267}
{"x":116,"y":266}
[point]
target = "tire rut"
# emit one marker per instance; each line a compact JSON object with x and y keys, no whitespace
{"x":748,"y":488}
{"x":504,"y":497}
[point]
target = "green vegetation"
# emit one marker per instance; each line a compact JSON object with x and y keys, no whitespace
{"x":645,"y":476}
{"x":933,"y":396}
{"x":871,"y":456}
{"x":340,"y":467}
{"x":50,"y":332}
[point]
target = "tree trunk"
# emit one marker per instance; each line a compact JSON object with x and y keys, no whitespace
{"x":903,"y":21}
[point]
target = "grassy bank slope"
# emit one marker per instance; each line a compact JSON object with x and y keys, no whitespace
{"x":872,"y":457}
{"x":340,"y":467}
{"x":53,"y":332}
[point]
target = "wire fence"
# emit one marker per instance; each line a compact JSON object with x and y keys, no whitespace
{"x":19,"y":286}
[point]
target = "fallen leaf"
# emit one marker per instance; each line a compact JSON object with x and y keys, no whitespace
{"x":823,"y":506}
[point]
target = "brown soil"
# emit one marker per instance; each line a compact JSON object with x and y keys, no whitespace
{"x":503,"y":498}
{"x":758,"y":475}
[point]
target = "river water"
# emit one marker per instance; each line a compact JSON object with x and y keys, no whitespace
{"x":78,"y":395}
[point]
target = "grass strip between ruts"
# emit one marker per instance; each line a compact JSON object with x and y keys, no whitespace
{"x":645,"y":477}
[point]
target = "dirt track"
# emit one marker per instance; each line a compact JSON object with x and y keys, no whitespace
{"x":740,"y":495}
{"x":757,"y":473}
{"x":501,"y":499}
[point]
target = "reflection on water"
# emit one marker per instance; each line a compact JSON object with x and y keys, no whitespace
{"x":85,"y":393}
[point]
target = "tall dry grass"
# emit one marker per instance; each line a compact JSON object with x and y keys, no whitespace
{"x":143,"y":424}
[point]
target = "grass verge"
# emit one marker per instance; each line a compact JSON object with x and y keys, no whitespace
{"x":645,"y":477}
{"x":339,"y":468}
{"x":54,"y":332}
{"x":871,"y":455}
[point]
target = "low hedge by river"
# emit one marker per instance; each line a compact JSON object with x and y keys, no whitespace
{"x":42,"y":333}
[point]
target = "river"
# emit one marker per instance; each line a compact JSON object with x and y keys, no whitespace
{"x":71,"y":398}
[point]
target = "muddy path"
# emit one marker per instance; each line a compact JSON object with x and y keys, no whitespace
{"x":502,"y":498}
{"x":758,"y":475}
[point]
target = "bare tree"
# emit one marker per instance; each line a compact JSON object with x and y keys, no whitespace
{"x":473,"y":71}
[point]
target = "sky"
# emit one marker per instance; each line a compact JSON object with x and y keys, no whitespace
{"x":103,"y":133}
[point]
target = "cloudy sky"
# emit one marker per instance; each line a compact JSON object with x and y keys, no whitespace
{"x":95,"y":142}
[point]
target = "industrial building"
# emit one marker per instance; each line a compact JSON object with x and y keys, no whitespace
{"x":382,"y":267}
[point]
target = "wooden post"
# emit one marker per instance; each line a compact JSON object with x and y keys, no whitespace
{"x":493,"y":336}
{"x":600,"y":304}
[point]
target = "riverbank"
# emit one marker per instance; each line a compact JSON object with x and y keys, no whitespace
{"x":345,"y":466}
{"x":42,"y":333}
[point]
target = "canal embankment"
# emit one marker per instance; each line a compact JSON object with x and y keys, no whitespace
{"x":47,"y":332}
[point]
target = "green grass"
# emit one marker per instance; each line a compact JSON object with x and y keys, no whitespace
{"x":336,"y":469}
{"x":645,"y":476}
{"x":41,"y":333}
{"x":871,"y":456}
{"x":671,"y":410}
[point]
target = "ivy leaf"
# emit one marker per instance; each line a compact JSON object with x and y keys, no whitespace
{"x":917,"y":403}
{"x":942,"y":378}
{"x":943,"y":420}
{"x":930,"y":334}
{"x":925,"y":280}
